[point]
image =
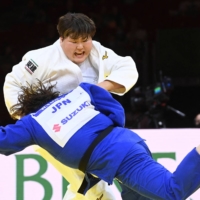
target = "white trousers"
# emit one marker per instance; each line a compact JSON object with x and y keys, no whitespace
{"x":100,"y":191}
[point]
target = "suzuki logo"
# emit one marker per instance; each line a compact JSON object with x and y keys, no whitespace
{"x":56,"y":127}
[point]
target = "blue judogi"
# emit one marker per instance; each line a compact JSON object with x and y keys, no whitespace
{"x":66,"y":127}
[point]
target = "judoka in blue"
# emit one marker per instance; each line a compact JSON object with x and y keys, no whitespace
{"x":66,"y":126}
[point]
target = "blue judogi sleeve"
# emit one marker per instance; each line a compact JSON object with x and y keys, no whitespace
{"x":105,"y":103}
{"x":14,"y":138}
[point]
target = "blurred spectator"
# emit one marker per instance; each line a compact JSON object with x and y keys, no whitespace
{"x":197,"y":121}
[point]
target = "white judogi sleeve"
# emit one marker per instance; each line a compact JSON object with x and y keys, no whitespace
{"x":113,"y":67}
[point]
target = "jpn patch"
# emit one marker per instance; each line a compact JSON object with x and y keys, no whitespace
{"x":31,"y":66}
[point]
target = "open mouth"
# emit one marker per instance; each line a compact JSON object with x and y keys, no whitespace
{"x":79,"y":54}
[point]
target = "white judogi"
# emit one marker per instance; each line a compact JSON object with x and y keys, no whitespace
{"x":50,"y":63}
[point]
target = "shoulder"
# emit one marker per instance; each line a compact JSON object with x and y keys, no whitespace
{"x":85,"y":85}
{"x":42,"y":54}
{"x":97,"y":49}
{"x":95,"y":43}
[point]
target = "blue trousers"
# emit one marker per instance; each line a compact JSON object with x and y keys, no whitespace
{"x":129,"y":194}
{"x":142,"y":178}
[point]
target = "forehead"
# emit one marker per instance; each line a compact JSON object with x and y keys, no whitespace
{"x":76,"y":35}
{"x":77,"y":39}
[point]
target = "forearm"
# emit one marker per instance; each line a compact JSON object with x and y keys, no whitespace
{"x":120,"y":72}
{"x":110,"y":85}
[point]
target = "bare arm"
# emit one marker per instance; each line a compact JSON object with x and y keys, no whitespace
{"x":111,"y":86}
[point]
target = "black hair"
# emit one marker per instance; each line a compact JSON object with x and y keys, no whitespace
{"x":76,"y":25}
{"x":32,"y":97}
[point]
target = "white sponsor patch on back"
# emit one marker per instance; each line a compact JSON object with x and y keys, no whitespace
{"x":66,"y":115}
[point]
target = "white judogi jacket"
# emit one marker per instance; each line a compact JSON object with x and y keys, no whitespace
{"x":50,"y":63}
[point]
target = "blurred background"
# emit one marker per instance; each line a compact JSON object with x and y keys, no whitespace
{"x":163,"y":38}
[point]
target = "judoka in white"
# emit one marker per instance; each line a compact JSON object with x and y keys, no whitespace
{"x":72,"y":59}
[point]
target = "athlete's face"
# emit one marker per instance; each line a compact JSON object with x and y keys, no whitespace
{"x":77,"y":50}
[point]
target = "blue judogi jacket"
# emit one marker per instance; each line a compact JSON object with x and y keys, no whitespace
{"x":66,"y":126}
